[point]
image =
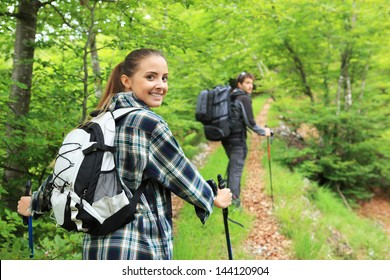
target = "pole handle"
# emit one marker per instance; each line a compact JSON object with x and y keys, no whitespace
{"x":213,"y":186}
{"x":225,"y":212}
{"x":221,"y":182}
{"x":272,"y":134}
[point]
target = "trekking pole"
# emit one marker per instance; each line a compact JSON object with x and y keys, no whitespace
{"x":28,"y":221}
{"x":270,"y":171}
{"x":225,"y":211}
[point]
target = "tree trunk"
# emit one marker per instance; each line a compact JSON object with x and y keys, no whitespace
{"x":338,"y":95}
{"x":96,"y":67}
{"x":361,"y":95}
{"x":344,"y":79}
{"x":346,"y":57}
{"x":348,"y":96}
{"x":85,"y":83}
{"x":87,"y":47}
{"x":299,"y":66}
{"x":20,"y":94}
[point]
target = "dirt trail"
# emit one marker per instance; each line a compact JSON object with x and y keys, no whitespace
{"x":265,"y":241}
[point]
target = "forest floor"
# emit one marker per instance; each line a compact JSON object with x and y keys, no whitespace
{"x":265,"y":242}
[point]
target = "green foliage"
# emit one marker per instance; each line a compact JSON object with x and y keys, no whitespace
{"x":60,"y":247}
{"x":314,"y":217}
{"x":50,"y":242}
{"x":348,"y":150}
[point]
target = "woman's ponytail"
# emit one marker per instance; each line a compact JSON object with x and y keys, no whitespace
{"x":114,"y":85}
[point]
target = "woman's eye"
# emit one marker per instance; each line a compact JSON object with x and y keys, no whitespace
{"x":150,"y":77}
{"x":165,"y":79}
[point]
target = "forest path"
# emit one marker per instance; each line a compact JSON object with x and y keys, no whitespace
{"x":264,"y":242}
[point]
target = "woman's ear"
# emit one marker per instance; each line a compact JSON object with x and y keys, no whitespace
{"x":126,"y":81}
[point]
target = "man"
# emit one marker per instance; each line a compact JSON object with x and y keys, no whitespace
{"x":242,"y":119}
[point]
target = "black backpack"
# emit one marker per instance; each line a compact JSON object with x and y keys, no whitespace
{"x":87,"y":193}
{"x":213,"y":111}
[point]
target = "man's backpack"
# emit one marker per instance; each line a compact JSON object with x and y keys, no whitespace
{"x":88,"y":195}
{"x":213,"y":111}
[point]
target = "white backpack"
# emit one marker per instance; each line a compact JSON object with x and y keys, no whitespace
{"x":88,"y":195}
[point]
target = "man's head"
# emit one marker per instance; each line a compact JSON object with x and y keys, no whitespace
{"x":245,"y":82}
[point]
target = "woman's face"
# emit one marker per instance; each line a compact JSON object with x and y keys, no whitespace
{"x":246,"y":85}
{"x":150,"y":82}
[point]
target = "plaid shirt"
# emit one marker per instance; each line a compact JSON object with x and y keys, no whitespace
{"x":146,"y":149}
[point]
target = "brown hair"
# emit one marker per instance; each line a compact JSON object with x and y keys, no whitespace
{"x":242,"y":76}
{"x":127,"y":67}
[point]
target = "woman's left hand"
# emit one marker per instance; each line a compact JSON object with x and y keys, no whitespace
{"x":223,"y":198}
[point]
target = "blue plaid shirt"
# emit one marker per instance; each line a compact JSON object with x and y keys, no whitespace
{"x":146,"y":149}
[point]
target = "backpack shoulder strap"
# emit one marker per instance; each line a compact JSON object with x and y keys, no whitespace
{"x":118,"y":113}
{"x":136,"y":197}
{"x":234,"y":96}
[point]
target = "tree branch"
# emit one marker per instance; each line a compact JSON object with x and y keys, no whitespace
{"x":61,"y":15}
{"x":343,"y":198}
{"x":5,"y":167}
{"x":46,"y":3}
{"x":8,"y":14}
{"x":299,"y":65}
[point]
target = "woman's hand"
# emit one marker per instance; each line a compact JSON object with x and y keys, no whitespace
{"x":24,"y":206}
{"x":223,"y":198}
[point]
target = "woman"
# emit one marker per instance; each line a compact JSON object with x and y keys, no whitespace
{"x":146,"y":152}
{"x":242,"y":119}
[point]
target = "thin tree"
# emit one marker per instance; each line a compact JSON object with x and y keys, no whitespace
{"x":26,"y":17}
